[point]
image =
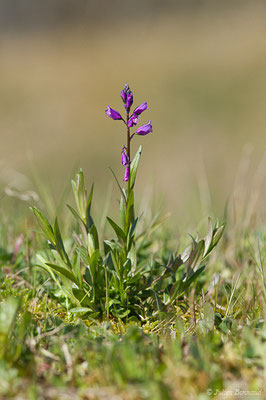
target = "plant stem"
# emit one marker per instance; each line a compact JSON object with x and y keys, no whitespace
{"x":128,"y":152}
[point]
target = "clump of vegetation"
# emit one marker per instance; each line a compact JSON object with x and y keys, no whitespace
{"x":121,"y":277}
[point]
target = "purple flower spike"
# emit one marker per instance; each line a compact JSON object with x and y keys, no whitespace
{"x":129,"y":101}
{"x":124,"y":157}
{"x":127,"y":173}
{"x":133,"y":120}
{"x":144,"y":129}
{"x":112,"y":113}
{"x":142,"y":107}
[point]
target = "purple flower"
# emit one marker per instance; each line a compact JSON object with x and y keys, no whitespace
{"x":133,"y":120}
{"x":142,"y":107}
{"x":129,"y":100}
{"x":123,"y":96}
{"x":144,"y":129}
{"x":127,"y":173}
{"x":112,"y":113}
{"x":124,"y":157}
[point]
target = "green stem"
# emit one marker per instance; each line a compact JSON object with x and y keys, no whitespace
{"x":128,"y":153}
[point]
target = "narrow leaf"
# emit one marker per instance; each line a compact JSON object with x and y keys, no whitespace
{"x":59,"y":243}
{"x":94,"y":234}
{"x":80,"y":310}
{"x":134,"y":167}
{"x":119,"y":232}
{"x":208,"y":238}
{"x":65,"y":272}
{"x":76,"y":215}
{"x":44,"y":224}
{"x":89,"y":219}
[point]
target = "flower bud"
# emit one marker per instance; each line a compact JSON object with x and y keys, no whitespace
{"x":126,"y":88}
{"x":112,"y":113}
{"x":144,"y":129}
{"x":124,"y":157}
{"x":123,"y":96}
{"x":127,"y":174}
{"x":142,"y":107}
{"x":133,"y":120}
{"x":129,"y":101}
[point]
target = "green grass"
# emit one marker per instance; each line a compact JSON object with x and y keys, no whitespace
{"x":212,"y":340}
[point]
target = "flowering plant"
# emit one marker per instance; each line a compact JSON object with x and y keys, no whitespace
{"x":123,"y":277}
{"x":130,"y":121}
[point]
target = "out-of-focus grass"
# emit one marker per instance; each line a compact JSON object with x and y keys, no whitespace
{"x":203,"y":76}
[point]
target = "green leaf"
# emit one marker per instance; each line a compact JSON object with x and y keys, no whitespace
{"x":131,"y":234}
{"x":83,"y":254}
{"x":122,"y":213}
{"x":130,"y":217}
{"x":80,"y":310}
{"x":108,"y":262}
{"x":59,"y":243}
{"x":88,"y":276}
{"x":75,"y":192}
{"x":186,"y":253}
{"x":217,"y":234}
{"x":94,"y":259}
{"x":208,"y":238}
{"x":63,"y":271}
{"x":120,"y":313}
{"x":119,"y":232}
{"x":90,"y":196}
{"x":115,"y":279}
{"x":134,"y":167}
{"x":76,"y":215}
{"x":179,"y":287}
{"x":44,"y":224}
{"x":173,"y":266}
{"x":195,"y":257}
{"x":112,"y":245}
{"x":89,"y":219}
{"x":94,"y":234}
{"x":76,"y":268}
{"x":91,"y":247}
{"x":208,"y":316}
{"x":192,"y":277}
{"x":198,"y":256}
{"x":80,"y":194}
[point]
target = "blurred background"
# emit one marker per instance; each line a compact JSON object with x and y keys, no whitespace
{"x":200,"y":65}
